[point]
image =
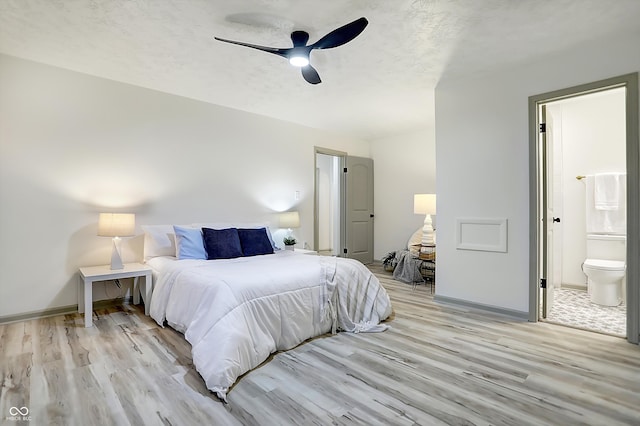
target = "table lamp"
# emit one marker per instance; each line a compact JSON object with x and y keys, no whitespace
{"x":116,"y":225}
{"x":425,"y":204}
{"x":289,"y":220}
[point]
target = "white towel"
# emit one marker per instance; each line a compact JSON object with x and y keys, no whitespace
{"x":606,"y":192}
{"x":605,"y":221}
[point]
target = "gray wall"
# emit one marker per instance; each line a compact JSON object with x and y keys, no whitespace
{"x":72,"y":146}
{"x":483,"y":166}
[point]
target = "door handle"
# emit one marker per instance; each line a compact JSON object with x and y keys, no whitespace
{"x":371,"y":215}
{"x":556,"y":219}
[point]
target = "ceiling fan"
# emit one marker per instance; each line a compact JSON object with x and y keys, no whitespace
{"x":298,"y":55}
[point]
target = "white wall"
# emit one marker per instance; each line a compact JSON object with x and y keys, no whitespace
{"x":73,"y":145}
{"x":404,"y":165}
{"x":592,"y":140}
{"x":483,"y":166}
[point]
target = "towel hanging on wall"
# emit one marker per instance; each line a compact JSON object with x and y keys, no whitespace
{"x":605,"y":221}
{"x":606,"y":195}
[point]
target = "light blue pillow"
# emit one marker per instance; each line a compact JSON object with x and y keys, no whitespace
{"x":275,"y":248}
{"x":189,"y":243}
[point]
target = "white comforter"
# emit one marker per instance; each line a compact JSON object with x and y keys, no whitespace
{"x":236,"y":312}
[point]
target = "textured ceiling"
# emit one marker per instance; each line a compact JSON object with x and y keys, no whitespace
{"x":379,"y":84}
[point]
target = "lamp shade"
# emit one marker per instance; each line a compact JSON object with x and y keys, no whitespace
{"x":289,"y":220}
{"x":424,"y":203}
{"x":116,"y":224}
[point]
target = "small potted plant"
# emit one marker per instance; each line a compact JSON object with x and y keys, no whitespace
{"x":289,"y":242}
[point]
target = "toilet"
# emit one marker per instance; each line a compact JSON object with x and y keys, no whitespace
{"x":605,"y":268}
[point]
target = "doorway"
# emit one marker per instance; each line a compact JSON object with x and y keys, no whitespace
{"x":585,"y":141}
{"x":343,"y":211}
{"x":547,"y":197}
{"x":329,"y":202}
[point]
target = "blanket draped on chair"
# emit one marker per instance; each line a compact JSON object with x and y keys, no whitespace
{"x":407,"y":268}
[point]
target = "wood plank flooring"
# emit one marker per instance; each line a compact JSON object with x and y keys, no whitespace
{"x":437,"y":365}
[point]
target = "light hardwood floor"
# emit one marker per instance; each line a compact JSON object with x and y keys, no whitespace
{"x":438,"y":364}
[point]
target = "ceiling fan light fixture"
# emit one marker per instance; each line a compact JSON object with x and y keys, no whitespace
{"x":299,"y":61}
{"x":298,"y":55}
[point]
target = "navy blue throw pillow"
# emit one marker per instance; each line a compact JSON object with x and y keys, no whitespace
{"x":255,"y":242}
{"x":221,"y":243}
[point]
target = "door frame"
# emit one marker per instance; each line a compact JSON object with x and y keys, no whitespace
{"x":316,"y":232}
{"x":630,"y":81}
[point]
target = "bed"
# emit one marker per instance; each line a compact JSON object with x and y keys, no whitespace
{"x":236,"y":311}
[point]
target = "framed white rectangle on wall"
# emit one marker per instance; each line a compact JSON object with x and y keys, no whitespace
{"x":481,"y":234}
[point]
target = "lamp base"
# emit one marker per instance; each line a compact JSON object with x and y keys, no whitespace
{"x":116,"y":259}
{"x":427,"y":231}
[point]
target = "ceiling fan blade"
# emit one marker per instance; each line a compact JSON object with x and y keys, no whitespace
{"x":341,"y":35}
{"x":311,"y":75}
{"x":299,"y":38}
{"x":284,"y":52}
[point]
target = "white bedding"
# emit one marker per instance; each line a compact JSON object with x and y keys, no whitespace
{"x":236,"y":312}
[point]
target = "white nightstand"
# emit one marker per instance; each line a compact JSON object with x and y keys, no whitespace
{"x":91,"y":274}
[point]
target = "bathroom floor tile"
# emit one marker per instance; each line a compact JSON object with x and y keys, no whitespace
{"x":573,"y":308}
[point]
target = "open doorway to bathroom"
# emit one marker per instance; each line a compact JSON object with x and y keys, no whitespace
{"x":586,"y":176}
{"x":584,"y":186}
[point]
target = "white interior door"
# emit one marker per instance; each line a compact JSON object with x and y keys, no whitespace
{"x":359,"y":208}
{"x":554,"y":141}
{"x":548,"y":277}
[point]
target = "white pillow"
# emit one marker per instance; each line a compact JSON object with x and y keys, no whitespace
{"x":214,"y":225}
{"x":159,"y":240}
{"x":413,"y":245}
